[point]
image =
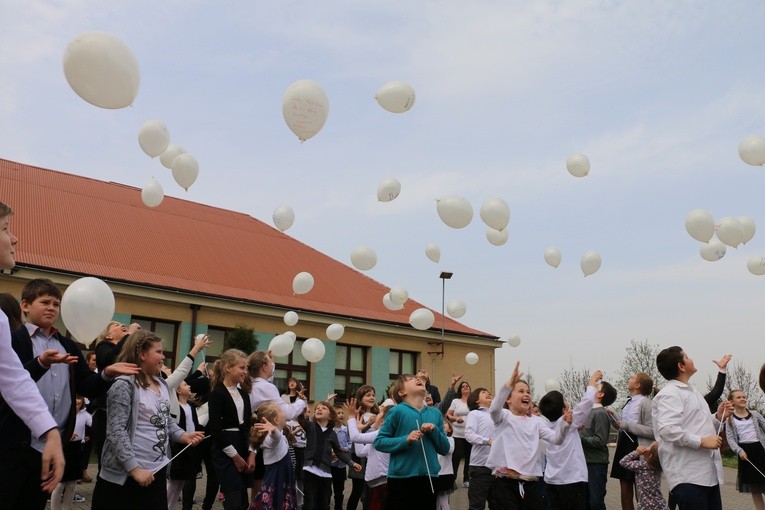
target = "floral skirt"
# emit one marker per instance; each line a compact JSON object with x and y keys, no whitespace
{"x":277,"y":491}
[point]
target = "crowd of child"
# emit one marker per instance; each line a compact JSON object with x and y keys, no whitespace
{"x":153,"y":430}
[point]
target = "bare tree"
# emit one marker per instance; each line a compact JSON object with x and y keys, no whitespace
{"x":640,"y":356}
{"x":741,"y":378}
{"x":530,"y":379}
{"x":573,"y":383}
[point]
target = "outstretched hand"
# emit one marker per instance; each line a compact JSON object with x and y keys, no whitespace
{"x":517,"y":376}
{"x":455,"y":378}
{"x":51,"y":356}
{"x":121,"y":368}
{"x":595,"y":377}
{"x":723,"y":363}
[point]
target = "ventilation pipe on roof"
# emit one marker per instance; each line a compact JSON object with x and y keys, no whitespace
{"x":194,"y":311}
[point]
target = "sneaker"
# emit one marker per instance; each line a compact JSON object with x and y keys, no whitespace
{"x":466,"y":485}
{"x":78,"y":499}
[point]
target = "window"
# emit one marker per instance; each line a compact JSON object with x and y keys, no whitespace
{"x":350,"y":370}
{"x":401,"y":362}
{"x":217,"y":338}
{"x":292,"y":365}
{"x":167,"y":331}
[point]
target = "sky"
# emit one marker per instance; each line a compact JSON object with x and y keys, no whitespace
{"x":656,"y":94}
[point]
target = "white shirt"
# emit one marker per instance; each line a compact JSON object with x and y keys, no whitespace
{"x":479,"y":428}
{"x":745,"y":429}
{"x":82,"y":419}
{"x":516,"y":439}
{"x":445,"y":461}
{"x":681,"y":418}
{"x":264,"y":391}
{"x":274,"y":447}
{"x":631,"y":410}
{"x":565,"y":462}
{"x":19,"y":390}
{"x":377,"y":461}
{"x":460,"y":410}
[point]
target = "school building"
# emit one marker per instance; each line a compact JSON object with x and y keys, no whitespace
{"x":184,"y":268}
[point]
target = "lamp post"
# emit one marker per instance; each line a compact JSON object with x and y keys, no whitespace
{"x":445,"y":275}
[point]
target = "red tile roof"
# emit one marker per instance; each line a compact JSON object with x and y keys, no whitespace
{"x":81,"y":220}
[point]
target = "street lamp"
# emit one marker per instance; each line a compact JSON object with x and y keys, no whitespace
{"x":445,"y":275}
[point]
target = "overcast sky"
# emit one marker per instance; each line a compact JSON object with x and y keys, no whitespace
{"x":657,"y":94}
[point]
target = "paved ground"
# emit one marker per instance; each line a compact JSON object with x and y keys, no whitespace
{"x":732,"y":500}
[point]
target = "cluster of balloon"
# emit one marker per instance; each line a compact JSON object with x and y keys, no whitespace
{"x":291,"y":318}
{"x":471,"y":358}
{"x":756,"y":266}
{"x":389,"y":304}
{"x":456,"y":212}
{"x":396,"y":97}
{"x":302,"y":283}
{"x":578,"y":165}
{"x":735,"y":231}
{"x":514,"y":341}
{"x":283,"y":217}
{"x":305,"y":107}
{"x":102,"y":70}
{"x":153,"y":137}
{"x":433,"y":252}
{"x":552,"y":385}
{"x":422,"y":319}
{"x":751,"y":150}
{"x":590,"y":263}
{"x":552,"y":256}
{"x":712,"y":251}
{"x":185,"y":170}
{"x":388,"y":189}
{"x":335,"y":332}
{"x":313,"y":350}
{"x":496,"y":214}
{"x":497,"y":237}
{"x":363,"y":258}
{"x":152,"y":194}
{"x":87,"y":306}
{"x":456,"y":308}
{"x":398,"y":295}
{"x":168,"y":156}
{"x":281,"y":345}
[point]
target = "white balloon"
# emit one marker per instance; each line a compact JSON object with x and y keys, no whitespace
{"x":590,"y":263}
{"x":456,"y":212}
{"x":153,"y":137}
{"x":713,"y":251}
{"x":553,"y":256}
{"x":396,"y":96}
{"x":305,"y":107}
{"x":283,"y":217}
{"x":433,"y":252}
{"x":514,"y":341}
{"x":422,"y":319}
{"x":101,"y":69}
{"x":363,"y":258}
{"x":578,"y":165}
{"x":302,"y":283}
{"x":87,"y":306}
{"x":313,"y":350}
{"x":281,"y":345}
{"x":389,"y":304}
{"x":751,"y":150}
{"x":552,"y":385}
{"x":749,"y":227}
{"x":185,"y":170}
{"x":700,"y":225}
{"x":172,"y":152}
{"x":388,"y":189}
{"x":152,"y":194}
{"x":495,"y":213}
{"x":291,"y":335}
{"x":456,"y":308}
{"x":756,"y":266}
{"x":497,"y":238}
{"x":730,"y":231}
{"x":291,"y":318}
{"x":398,"y":295}
{"x":335,"y":331}
{"x":471,"y":358}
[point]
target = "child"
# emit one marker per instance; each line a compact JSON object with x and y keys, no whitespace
{"x":647,"y":476}
{"x":184,"y":467}
{"x":367,"y":402}
{"x":566,"y":469}
{"x":321,"y":441}
{"x":479,"y":430}
{"x":376,"y":470}
{"x":515,"y":455}
{"x":338,"y":467}
{"x":64,"y":495}
{"x":745,"y":432}
{"x":414,"y":436}
{"x":445,"y":483}
{"x":594,"y":438}
{"x":298,"y":448}
{"x":277,"y":492}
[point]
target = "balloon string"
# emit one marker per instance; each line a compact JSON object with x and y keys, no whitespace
{"x":168,"y":461}
{"x":755,"y":467}
{"x":422,"y":443}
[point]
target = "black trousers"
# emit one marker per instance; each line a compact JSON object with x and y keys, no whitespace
{"x":317,"y":490}
{"x":410,"y":493}
{"x":338,"y":484}
{"x":130,"y":495}
{"x":571,"y":496}
{"x":20,"y":470}
{"x":508,"y":492}
{"x":481,"y":489}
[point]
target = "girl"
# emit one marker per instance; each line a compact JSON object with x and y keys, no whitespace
{"x":294,"y":391}
{"x":184,"y":467}
{"x":298,"y":448}
{"x":647,"y":476}
{"x":746,"y":435}
{"x":63,"y":496}
{"x":376,"y":469}
{"x":229,"y":424}
{"x":445,"y":482}
{"x":367,"y":401}
{"x":138,"y":427}
{"x":457,"y":414}
{"x":277,"y":492}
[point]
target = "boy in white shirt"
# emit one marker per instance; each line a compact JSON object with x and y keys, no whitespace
{"x":479,"y":430}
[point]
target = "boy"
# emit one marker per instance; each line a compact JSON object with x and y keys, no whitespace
{"x":686,"y":432}
{"x":566,"y":472}
{"x":594,"y":438}
{"x":414,"y":435}
{"x":47,"y":356}
{"x":20,"y":392}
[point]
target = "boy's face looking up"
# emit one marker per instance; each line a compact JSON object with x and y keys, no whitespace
{"x":413,"y":387}
{"x":7,"y":244}
{"x":43,"y":311}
